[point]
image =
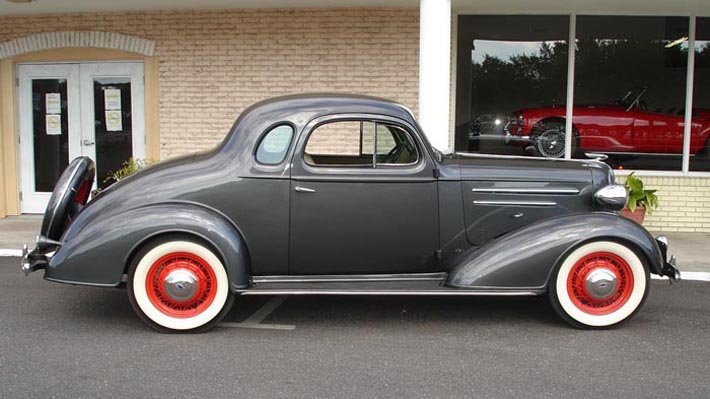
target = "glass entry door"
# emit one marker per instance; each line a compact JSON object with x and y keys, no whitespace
{"x":68,"y":110}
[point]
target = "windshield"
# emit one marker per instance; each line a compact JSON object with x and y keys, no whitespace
{"x":632,"y":96}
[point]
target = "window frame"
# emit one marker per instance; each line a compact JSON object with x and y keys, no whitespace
{"x":375,"y":164}
{"x":419,"y":172}
{"x":262,"y":137}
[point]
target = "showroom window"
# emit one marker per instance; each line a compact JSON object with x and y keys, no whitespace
{"x":507,"y":63}
{"x":700,"y":127}
{"x":629,"y":91}
{"x":629,"y":80}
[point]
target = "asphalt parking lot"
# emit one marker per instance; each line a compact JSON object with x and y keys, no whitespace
{"x":64,"y":341}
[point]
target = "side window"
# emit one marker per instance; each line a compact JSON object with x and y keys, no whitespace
{"x":352,"y":143}
{"x":274,"y":145}
{"x":340,"y":143}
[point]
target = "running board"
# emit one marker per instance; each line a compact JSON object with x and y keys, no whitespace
{"x":350,"y":278}
{"x":372,"y":284}
{"x":440,"y":292}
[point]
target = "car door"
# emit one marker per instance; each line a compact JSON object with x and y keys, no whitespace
{"x":660,"y":131}
{"x":363,"y":199}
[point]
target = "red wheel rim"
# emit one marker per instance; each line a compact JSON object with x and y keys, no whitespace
{"x":578,"y":291}
{"x":205,"y":288}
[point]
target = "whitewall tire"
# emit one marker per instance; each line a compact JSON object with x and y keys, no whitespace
{"x":179,"y":285}
{"x":598,"y":285}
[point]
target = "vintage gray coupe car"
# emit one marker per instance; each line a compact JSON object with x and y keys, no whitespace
{"x":343,"y":195}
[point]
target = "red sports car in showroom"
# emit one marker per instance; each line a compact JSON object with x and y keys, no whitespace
{"x":626,"y":126}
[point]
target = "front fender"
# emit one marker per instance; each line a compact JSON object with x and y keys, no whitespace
{"x":526,"y":257}
{"x":97,"y":251}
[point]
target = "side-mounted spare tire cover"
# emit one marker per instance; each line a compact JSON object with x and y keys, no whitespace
{"x":70,"y":194}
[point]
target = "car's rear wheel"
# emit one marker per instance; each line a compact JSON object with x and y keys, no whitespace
{"x":600,"y":284}
{"x":179,"y":285}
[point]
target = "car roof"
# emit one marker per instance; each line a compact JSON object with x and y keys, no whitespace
{"x":319,"y":104}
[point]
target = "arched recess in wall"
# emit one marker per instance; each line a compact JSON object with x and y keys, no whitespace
{"x":71,"y":46}
{"x":53,"y":40}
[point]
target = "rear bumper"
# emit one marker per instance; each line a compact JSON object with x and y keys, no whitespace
{"x":39,"y":257}
{"x":669,"y":267}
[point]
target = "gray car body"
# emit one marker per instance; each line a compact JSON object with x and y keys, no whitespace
{"x":463,"y":215}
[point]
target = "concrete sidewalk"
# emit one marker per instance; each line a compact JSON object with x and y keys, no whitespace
{"x":690,"y":248}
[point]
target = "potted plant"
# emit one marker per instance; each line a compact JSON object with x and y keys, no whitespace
{"x":640,"y":201}
{"x":131,"y":166}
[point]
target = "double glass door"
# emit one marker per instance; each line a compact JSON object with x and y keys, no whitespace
{"x":69,"y":110}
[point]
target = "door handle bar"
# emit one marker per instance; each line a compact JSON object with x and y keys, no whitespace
{"x":304,"y":189}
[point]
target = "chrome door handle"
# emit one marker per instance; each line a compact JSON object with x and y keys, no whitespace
{"x":517,"y":215}
{"x":304,"y":190}
{"x":87,"y":142}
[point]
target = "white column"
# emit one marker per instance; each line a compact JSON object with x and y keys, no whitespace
{"x":571,"y":52}
{"x":434,"y":70}
{"x":689,"y":84}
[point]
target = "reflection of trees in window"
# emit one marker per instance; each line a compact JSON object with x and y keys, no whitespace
{"x":501,"y":86}
{"x":605,"y":68}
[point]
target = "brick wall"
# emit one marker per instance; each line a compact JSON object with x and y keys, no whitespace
{"x":683,"y":203}
{"x":214,"y":64}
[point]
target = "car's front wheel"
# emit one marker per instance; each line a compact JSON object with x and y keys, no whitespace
{"x":179,"y":285}
{"x":598,"y":285}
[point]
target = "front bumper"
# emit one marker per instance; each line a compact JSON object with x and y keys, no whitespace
{"x":669,"y":267}
{"x":511,"y":138}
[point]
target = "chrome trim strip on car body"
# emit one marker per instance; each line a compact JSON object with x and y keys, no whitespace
{"x":352,"y":278}
{"x":655,"y":154}
{"x":519,"y":190}
{"x":516,"y":203}
{"x":442,"y":292}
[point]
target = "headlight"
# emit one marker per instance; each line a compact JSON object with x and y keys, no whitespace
{"x":516,"y":119}
{"x":612,"y":197}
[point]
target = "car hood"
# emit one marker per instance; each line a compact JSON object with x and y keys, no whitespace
{"x":515,"y":168}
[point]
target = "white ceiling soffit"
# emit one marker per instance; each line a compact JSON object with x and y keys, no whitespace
{"x":636,"y":7}
{"x":632,"y":7}
{"x":68,"y":6}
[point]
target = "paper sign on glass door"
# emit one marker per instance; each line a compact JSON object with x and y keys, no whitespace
{"x":53,"y":103}
{"x":53,"y":125}
{"x":114,"y":122}
{"x":112,"y":99}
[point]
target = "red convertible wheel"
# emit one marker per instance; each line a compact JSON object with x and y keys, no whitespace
{"x":179,"y":286}
{"x":599,"y":284}
{"x":551,"y":143}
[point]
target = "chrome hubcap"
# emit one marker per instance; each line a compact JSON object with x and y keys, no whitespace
{"x":180,"y":285}
{"x":601,"y":283}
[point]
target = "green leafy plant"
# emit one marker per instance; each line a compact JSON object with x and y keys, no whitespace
{"x":638,"y":196}
{"x":131,"y":166}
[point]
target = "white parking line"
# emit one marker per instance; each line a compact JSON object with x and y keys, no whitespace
{"x":254,"y":321}
{"x":687,"y":276}
{"x":10,"y":252}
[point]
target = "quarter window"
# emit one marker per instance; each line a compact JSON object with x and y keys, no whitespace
{"x":363,"y":144}
{"x":273,"y":147}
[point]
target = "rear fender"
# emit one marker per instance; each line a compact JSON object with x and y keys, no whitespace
{"x":526,"y":257}
{"x":97,"y":251}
